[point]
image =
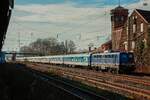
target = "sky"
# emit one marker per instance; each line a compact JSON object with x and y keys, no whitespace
{"x":83,"y":21}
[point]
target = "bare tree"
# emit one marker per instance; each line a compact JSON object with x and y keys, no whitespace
{"x":49,"y":46}
{"x":71,"y":46}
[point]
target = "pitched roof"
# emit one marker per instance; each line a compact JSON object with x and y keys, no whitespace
{"x":145,"y":14}
{"x":107,"y":43}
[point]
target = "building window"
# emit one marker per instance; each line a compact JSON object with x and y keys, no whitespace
{"x":117,"y":18}
{"x":122,"y":18}
{"x":135,"y":20}
{"x":133,"y":17}
{"x":145,"y":43}
{"x":142,"y":27}
{"x":133,"y":45}
{"x":126,"y":45}
{"x":134,"y":28}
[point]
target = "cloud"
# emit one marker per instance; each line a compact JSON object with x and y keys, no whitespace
{"x":54,"y":13}
{"x":83,"y":25}
{"x":65,"y":19}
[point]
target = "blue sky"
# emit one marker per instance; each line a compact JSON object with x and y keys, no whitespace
{"x":83,"y":21}
{"x":77,"y":2}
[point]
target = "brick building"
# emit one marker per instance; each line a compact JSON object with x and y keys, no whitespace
{"x":107,"y":46}
{"x":127,"y":31}
{"x":139,"y":27}
{"x":119,"y":17}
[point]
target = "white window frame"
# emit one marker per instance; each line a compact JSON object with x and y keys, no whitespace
{"x":134,"y":28}
{"x":142,"y":27}
{"x":126,"y":45}
{"x":133,"y":45}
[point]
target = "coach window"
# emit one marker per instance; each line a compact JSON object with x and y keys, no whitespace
{"x":97,"y":56}
{"x":84,"y":59}
{"x":106,"y":56}
{"x":115,"y":56}
{"x":100,"y":56}
{"x":76,"y":59}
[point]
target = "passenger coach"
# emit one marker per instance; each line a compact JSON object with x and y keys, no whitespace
{"x":77,"y":59}
{"x":112,"y":62}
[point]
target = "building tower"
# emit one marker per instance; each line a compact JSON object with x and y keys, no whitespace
{"x":119,"y":17}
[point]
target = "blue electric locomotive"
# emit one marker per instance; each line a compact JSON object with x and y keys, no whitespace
{"x":113,"y":62}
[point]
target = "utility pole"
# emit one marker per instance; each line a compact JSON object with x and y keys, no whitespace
{"x":31,"y":36}
{"x":19,"y":41}
{"x":66,"y":46}
{"x":90,"y":46}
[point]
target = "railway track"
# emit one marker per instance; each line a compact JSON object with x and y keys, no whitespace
{"x":103,"y":81}
{"x":100,"y":83}
{"x":124,"y":79}
{"x":80,"y":93}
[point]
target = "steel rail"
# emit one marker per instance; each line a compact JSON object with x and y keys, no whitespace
{"x":104,"y":83}
{"x":124,"y":88}
{"x":69,"y":88}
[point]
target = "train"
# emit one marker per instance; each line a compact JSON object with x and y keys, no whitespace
{"x":2,"y":58}
{"x":114,"y":62}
